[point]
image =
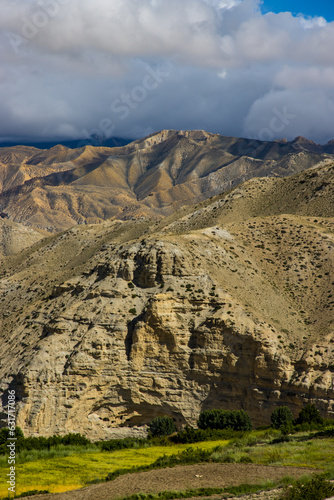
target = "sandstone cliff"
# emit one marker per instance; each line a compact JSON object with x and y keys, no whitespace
{"x":227,"y":304}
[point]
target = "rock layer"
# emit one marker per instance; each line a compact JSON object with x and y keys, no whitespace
{"x":214,"y":308}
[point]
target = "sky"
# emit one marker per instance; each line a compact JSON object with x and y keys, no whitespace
{"x":90,"y":70}
{"x":324,"y":8}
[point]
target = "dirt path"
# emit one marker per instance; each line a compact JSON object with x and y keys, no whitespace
{"x":178,"y":478}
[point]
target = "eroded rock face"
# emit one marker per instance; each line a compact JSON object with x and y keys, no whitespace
{"x":147,"y":331}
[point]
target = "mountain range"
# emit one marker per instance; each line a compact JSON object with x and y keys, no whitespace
{"x":181,"y":272}
{"x":55,"y":189}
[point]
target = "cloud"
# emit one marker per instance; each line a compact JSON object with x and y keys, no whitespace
{"x":71,"y":68}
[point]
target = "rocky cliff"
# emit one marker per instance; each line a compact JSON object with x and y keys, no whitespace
{"x":227,"y":304}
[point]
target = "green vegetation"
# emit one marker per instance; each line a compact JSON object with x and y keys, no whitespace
{"x":162,"y":426}
{"x":238,"y":420}
{"x":309,"y":415}
{"x":281,"y":416}
{"x":191,"y":435}
{"x":63,"y":463}
{"x":316,"y":488}
{"x":41,"y":443}
{"x":32,"y":493}
{"x":57,"y":473}
{"x":185,"y":457}
{"x":123,"y":444}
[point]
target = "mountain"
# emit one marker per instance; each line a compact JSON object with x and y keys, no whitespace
{"x":72,"y":144}
{"x":228,"y":303}
{"x":55,"y":189}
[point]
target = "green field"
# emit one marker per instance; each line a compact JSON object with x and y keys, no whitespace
{"x":74,"y":471}
{"x":51,"y":470}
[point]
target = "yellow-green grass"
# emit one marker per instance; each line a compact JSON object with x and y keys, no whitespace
{"x":317,"y":453}
{"x":66,"y":473}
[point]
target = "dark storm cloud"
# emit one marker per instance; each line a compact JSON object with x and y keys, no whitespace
{"x":73,"y":68}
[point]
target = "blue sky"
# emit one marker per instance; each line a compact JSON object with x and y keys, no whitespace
{"x":324,"y":8}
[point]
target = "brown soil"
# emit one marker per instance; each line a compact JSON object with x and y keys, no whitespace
{"x":179,"y":478}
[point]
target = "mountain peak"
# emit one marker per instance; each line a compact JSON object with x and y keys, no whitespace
{"x":302,"y":140}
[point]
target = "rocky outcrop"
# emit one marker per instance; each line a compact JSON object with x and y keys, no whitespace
{"x":145,"y":334}
{"x":105,"y":327}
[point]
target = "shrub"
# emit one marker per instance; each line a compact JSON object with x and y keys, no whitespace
{"x":4,"y":435}
{"x":40,"y":443}
{"x":32,"y":493}
{"x":281,"y":416}
{"x":161,"y":426}
{"x":309,"y":415}
{"x":191,"y":435}
{"x":237,"y":420}
{"x":317,"y":488}
{"x":121,"y":444}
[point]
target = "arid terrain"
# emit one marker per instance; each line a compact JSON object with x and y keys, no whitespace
{"x":57,"y":188}
{"x":225,"y":303}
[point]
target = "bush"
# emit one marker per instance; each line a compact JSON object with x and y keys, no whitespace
{"x":32,"y":493}
{"x":4,"y":435}
{"x":317,"y":488}
{"x":121,"y":444}
{"x":40,"y":443}
{"x":162,"y":426}
{"x":309,"y":415}
{"x":191,"y":435}
{"x":237,"y":420}
{"x":281,"y":416}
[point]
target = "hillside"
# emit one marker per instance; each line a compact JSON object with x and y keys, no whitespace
{"x":55,"y":189}
{"x":16,"y":237}
{"x":228,"y":303}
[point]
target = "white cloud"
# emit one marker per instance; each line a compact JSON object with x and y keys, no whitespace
{"x":312,"y":22}
{"x":65,"y":62}
{"x":283,"y":112}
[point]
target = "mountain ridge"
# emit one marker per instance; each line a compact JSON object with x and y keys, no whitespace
{"x":55,"y":189}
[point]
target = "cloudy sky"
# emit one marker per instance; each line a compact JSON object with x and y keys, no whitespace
{"x":126,"y":68}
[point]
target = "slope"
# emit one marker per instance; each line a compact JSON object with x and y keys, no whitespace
{"x":225,"y":304}
{"x":58,"y":188}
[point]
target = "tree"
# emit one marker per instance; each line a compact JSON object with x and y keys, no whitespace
{"x":161,"y":426}
{"x":4,"y":434}
{"x":237,"y":420}
{"x":281,"y":416}
{"x":309,"y":415}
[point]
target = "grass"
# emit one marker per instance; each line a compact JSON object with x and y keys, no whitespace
{"x":64,"y":473}
{"x":59,"y":451}
{"x":62,"y":469}
{"x":301,"y":450}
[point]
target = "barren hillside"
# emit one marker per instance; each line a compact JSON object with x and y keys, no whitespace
{"x":228,"y":303}
{"x":58,"y":188}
